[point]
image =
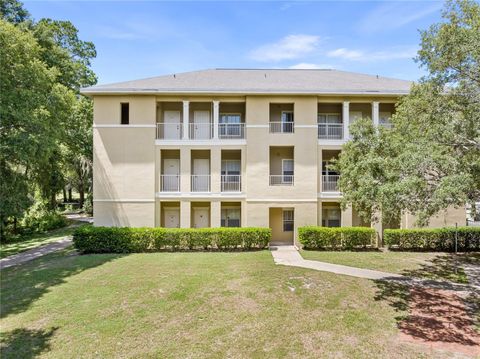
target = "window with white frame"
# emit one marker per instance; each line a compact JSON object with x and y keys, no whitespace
{"x":287,"y":116}
{"x":231,"y":167}
{"x":384,"y":117}
{"x":288,"y":220}
{"x":287,"y":170}
{"x":329,"y":118}
{"x":230,"y":217}
{"x":230,"y":118}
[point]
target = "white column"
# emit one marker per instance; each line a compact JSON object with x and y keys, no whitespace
{"x":346,"y":119}
{"x":186,"y":116}
{"x":216,"y":106}
{"x":375,"y":113}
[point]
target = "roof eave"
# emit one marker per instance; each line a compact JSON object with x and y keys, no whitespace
{"x":131,"y":91}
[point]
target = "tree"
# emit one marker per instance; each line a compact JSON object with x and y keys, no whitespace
{"x":430,"y":159}
{"x":13,"y":11}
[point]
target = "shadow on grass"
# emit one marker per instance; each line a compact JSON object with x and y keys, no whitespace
{"x":23,"y":284}
{"x":25,"y":343}
{"x":436,"y":311}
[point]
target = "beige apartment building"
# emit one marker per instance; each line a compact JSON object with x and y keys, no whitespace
{"x":233,"y":147}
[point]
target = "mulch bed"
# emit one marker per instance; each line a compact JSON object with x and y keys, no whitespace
{"x":441,"y":320}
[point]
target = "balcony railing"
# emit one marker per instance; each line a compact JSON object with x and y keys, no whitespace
{"x":169,"y":131}
{"x":281,"y":180}
{"x":330,"y":183}
{"x":281,"y":127}
{"x":169,"y":183}
{"x":201,"y":131}
{"x":231,"y":183}
{"x":231,"y":130}
{"x":330,"y":131}
{"x":200,"y":183}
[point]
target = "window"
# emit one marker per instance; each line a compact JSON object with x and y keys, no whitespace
{"x":230,"y":217}
{"x":331,"y":217}
{"x":230,"y":118}
{"x":125,"y":113}
{"x":329,"y":118}
{"x":327,"y":171}
{"x":287,"y":121}
{"x":288,"y":220}
{"x":230,"y":168}
{"x":287,"y":171}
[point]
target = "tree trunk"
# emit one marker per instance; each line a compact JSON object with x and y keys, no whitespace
{"x":81,"y":191}
{"x":53,"y":201}
{"x":70,"y":194}
{"x":64,"y":195}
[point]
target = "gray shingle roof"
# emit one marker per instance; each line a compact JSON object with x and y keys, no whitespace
{"x":259,"y":81}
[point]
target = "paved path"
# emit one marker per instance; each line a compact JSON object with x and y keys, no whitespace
{"x":289,"y":256}
{"x":26,"y":256}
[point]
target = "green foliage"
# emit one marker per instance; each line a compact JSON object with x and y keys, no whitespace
{"x":438,"y":239}
{"x":89,"y":239}
{"x":430,"y":159}
{"x":340,"y":238}
{"x":42,"y":221}
{"x":45,"y":125}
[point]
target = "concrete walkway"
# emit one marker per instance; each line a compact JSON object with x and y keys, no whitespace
{"x":289,"y":256}
{"x":26,"y":256}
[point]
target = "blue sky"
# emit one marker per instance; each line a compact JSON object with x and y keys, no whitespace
{"x":150,"y":38}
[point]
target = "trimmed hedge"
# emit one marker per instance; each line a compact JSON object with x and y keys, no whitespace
{"x":340,"y":238}
{"x":436,"y":239}
{"x":89,"y":239}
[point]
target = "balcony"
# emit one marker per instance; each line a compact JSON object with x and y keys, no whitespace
{"x":231,"y":130}
{"x":281,"y":180}
{"x":169,"y":131}
{"x":231,"y":183}
{"x":281,"y":127}
{"x":330,"y":131}
{"x":200,"y":131}
{"x":330,"y":183}
{"x":169,"y":183}
{"x":200,"y":183}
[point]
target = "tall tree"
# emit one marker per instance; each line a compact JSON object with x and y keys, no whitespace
{"x":430,"y":160}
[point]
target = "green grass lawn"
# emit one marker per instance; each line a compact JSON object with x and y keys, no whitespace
{"x":29,"y":242}
{"x":417,"y":264}
{"x":192,"y":305}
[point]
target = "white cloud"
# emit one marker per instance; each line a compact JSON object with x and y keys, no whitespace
{"x":370,"y":56}
{"x":308,"y":66}
{"x":396,"y":14}
{"x":290,"y":47}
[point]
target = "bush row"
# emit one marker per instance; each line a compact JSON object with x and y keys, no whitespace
{"x":437,"y":239}
{"x":89,"y":239}
{"x":341,"y":238}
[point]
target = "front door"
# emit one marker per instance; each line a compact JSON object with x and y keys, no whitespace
{"x":201,"y":217}
{"x":201,"y":125}
{"x":172,"y":218}
{"x":171,"y":170}
{"x":201,"y":178}
{"x":172,"y":125}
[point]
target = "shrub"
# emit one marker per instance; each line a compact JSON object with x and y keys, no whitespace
{"x":39,"y":220}
{"x":436,"y":239}
{"x":88,"y":239}
{"x":336,"y":238}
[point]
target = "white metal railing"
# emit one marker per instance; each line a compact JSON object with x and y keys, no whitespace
{"x":169,"y":131}
{"x":330,"y":131}
{"x":281,"y":180}
{"x":200,"y":183}
{"x":386,"y":124}
{"x":330,"y":183}
{"x":201,"y":131}
{"x":231,"y":130}
{"x":169,"y":183}
{"x":231,"y":183}
{"x":281,"y":127}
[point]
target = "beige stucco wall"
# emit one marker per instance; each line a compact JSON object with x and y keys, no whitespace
{"x":128,"y":161}
{"x":443,"y":219}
